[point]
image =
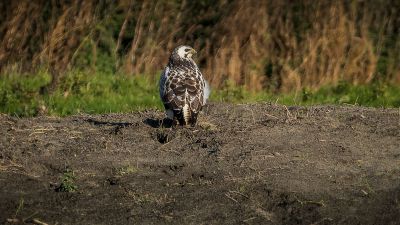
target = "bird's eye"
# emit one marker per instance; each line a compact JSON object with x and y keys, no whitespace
{"x":186,"y":50}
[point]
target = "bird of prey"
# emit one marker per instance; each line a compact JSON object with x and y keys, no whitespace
{"x":183,"y":89}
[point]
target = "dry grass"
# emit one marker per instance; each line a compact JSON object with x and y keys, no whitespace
{"x":280,"y":45}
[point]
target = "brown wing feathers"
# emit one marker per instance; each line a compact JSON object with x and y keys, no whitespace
{"x":181,"y":90}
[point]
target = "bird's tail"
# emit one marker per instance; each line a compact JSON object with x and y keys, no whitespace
{"x":186,"y":113}
{"x":186,"y":110}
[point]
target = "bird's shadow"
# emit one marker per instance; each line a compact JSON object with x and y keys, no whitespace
{"x":117,"y":126}
{"x":103,"y":123}
{"x":157,"y":123}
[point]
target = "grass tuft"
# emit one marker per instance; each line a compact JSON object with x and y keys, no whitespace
{"x":67,"y":183}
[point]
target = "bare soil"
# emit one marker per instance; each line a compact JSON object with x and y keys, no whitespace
{"x":243,"y":164}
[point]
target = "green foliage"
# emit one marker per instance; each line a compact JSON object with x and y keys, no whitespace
{"x":374,"y":95}
{"x":78,"y":92}
{"x":67,"y":183}
{"x":20,"y":94}
{"x":87,"y":92}
{"x":103,"y":93}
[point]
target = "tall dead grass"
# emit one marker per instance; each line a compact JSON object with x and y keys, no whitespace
{"x":279,"y":45}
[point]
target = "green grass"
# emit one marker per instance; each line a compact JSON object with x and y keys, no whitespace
{"x":373,"y":95}
{"x":67,"y":182}
{"x":78,"y":92}
{"x":86,"y":92}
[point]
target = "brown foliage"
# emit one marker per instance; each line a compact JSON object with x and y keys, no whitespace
{"x":281,"y":45}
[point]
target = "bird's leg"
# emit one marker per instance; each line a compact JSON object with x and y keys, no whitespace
{"x":166,"y":122}
{"x":174,"y":123}
{"x":193,"y":121}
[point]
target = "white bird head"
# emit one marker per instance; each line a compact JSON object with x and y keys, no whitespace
{"x":182,"y":53}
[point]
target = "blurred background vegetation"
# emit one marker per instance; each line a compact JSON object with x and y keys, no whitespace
{"x":61,"y":57}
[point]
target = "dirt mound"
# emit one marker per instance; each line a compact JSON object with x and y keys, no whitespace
{"x":243,"y":164}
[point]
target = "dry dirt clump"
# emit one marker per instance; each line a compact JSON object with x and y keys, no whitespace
{"x":243,"y":164}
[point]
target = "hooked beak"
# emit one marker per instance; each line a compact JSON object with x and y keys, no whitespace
{"x":193,"y":51}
